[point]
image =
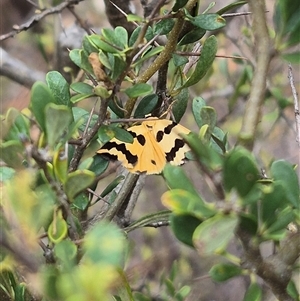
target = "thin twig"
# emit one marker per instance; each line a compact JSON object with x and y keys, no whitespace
{"x":38,"y":17}
{"x":183,"y":53}
{"x":296,"y":103}
{"x":122,"y":12}
{"x":238,"y":14}
{"x":32,"y":3}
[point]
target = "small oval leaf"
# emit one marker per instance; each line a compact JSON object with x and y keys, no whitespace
{"x":214,"y":234}
{"x":137,"y":90}
{"x":77,"y":181}
{"x":224,"y":271}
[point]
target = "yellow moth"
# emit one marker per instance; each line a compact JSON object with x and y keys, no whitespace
{"x":155,"y":142}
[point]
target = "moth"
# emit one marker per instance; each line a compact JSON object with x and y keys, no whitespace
{"x":155,"y":142}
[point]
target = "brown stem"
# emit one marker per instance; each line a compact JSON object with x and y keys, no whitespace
{"x":258,"y":86}
{"x":275,"y":270}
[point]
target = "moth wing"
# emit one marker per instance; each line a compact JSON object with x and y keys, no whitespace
{"x":168,"y":137}
{"x":121,"y":151}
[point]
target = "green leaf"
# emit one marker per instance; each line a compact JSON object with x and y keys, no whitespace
{"x":104,"y":243}
{"x":100,"y":43}
{"x":146,"y":106}
{"x":208,"y":116}
{"x":224,"y":271}
{"x":112,"y":186}
{"x":102,"y":91}
{"x":249,"y":223}
{"x":58,"y":119}
{"x":118,"y":66}
{"x":292,"y":290}
{"x":197,"y":104}
{"x":203,"y":152}
{"x":192,"y":36}
{"x":117,"y":37}
{"x":205,"y":61}
{"x":40,"y":97}
{"x":170,"y":288}
{"x":148,"y":54}
{"x":16,"y":127}
{"x":75,"y":56}
{"x":219,"y":140}
{"x":208,"y":21}
{"x":11,"y":152}
{"x":121,"y":35}
{"x":104,"y":58}
{"x":82,"y":88}
{"x":183,"y":293}
{"x":59,"y":88}
{"x":81,"y":201}
{"x":99,"y":165}
{"x":180,"y":104}
{"x":272,"y":201}
{"x":157,"y":217}
{"x":6,"y":173}
{"x":176,"y":179}
{"x":138,"y":90}
{"x":80,"y":97}
{"x":116,"y":106}
{"x":240,"y":171}
{"x":77,"y":181}
{"x":183,"y":202}
{"x":163,"y":27}
{"x":105,"y":134}
{"x":179,"y":4}
{"x":134,"y":18}
{"x":60,"y":164}
{"x":122,"y":135}
{"x":65,"y":251}
{"x":179,"y":60}
{"x":81,"y":115}
{"x":277,"y":229}
{"x":87,"y":46}
{"x":253,"y":293}
{"x":214,"y":234}
{"x":286,"y":17}
{"x":293,"y":58}
{"x":148,"y":36}
{"x":183,"y":227}
{"x":284,"y":172}
{"x":58,"y":229}
{"x":231,"y":6}
{"x":86,"y":164}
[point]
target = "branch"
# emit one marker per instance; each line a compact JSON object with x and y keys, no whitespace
{"x":17,"y":71}
{"x":296,"y":102}
{"x":38,"y":17}
{"x":124,"y":192}
{"x":87,"y":138}
{"x":258,"y":86}
{"x":274,"y":270}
